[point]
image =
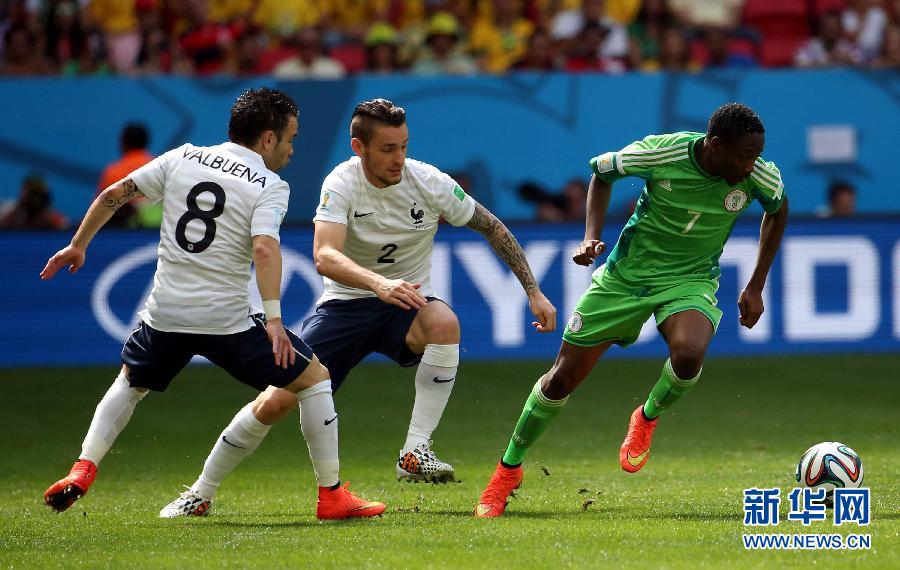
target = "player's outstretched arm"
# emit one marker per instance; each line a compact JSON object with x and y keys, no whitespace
{"x":508,"y":249}
{"x":771,"y":230}
{"x":591,"y":247}
{"x":267,"y":259}
{"x":101,"y":210}
{"x":328,"y":251}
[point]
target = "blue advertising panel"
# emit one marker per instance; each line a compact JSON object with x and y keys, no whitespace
{"x":500,"y":131}
{"x":835,"y":287}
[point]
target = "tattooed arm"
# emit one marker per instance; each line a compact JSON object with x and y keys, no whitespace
{"x":508,"y":249}
{"x":101,"y":210}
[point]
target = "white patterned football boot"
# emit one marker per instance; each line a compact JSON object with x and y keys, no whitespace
{"x":421,"y":464}
{"x":188,"y":504}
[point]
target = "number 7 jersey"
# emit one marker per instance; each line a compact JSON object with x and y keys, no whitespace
{"x":684,"y":215}
{"x":215,"y":200}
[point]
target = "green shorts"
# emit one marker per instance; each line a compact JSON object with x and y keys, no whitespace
{"x":613,"y":310}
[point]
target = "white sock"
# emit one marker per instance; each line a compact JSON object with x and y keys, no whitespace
{"x":320,"y":429}
{"x":241,"y":438}
{"x":110,"y":418}
{"x":435,"y":378}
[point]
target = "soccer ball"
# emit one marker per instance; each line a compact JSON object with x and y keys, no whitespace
{"x":829,"y":465}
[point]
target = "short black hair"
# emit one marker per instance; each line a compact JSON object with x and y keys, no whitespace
{"x":837,"y":187}
{"x":259,"y":110}
{"x":367,"y":113}
{"x":732,"y":121}
{"x":134,"y":136}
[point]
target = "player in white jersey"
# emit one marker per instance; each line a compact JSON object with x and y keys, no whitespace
{"x":374,"y":232}
{"x":222,"y":209}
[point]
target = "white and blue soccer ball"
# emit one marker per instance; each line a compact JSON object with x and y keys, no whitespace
{"x":830,"y":465}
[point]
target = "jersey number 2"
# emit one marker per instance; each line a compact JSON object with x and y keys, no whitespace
{"x":388,"y":250}
{"x":208,"y":217}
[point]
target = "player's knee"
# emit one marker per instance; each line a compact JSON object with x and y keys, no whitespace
{"x":687,"y":358}
{"x":562,"y":381}
{"x":273,"y":404}
{"x":314,"y":373}
{"x":443,"y":330}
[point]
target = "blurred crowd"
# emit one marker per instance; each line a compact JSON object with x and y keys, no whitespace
{"x":331,"y":38}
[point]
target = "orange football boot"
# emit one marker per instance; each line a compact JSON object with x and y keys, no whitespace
{"x":340,"y":503}
{"x":636,"y":447}
{"x":493,"y":501}
{"x":63,"y":494}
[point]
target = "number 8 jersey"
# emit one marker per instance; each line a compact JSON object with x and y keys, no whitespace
{"x":215,"y":199}
{"x":390,"y":230}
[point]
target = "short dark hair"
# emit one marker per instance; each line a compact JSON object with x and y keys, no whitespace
{"x":259,"y":110}
{"x":368,"y":113}
{"x":732,"y":121}
{"x":134,"y":136}
{"x":837,"y":187}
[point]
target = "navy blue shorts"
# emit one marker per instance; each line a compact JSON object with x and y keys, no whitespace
{"x":154,"y":357}
{"x":343,"y":332}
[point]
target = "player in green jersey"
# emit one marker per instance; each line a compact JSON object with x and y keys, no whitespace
{"x":665,"y":264}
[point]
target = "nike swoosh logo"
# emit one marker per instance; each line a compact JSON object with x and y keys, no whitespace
{"x":482,"y":510}
{"x":635,"y":461}
{"x":441,"y":381}
{"x":225,"y":439}
{"x":364,"y":507}
{"x":327,"y":422}
{"x":358,"y":215}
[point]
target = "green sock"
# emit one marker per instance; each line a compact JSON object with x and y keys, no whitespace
{"x":536,"y":414}
{"x":669,"y":388}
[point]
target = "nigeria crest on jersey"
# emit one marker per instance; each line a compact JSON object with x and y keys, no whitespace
{"x":735,"y":200}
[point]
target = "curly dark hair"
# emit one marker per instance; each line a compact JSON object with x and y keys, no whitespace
{"x":259,"y":110}
{"x":732,"y":121}
{"x":368,"y":113}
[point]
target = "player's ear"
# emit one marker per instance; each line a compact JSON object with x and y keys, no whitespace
{"x":357,"y":146}
{"x":269,"y":140}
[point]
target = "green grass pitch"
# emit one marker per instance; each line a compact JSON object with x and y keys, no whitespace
{"x":744,"y":425}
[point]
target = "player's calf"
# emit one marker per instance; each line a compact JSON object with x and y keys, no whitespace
{"x":63,"y":494}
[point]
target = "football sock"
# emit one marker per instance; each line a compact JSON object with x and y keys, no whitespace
{"x":241,"y":438}
{"x":536,"y":415}
{"x":319,"y":423}
{"x":435,"y":378}
{"x":668,"y":389}
{"x":110,"y":418}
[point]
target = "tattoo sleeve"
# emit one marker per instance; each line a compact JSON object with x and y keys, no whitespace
{"x":120,"y":194}
{"x":504,"y":244}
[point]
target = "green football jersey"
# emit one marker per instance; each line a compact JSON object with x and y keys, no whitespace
{"x":684,"y":215}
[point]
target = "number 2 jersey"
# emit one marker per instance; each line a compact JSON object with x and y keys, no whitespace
{"x":215,"y":199}
{"x":684,"y":215}
{"x":390,"y":230}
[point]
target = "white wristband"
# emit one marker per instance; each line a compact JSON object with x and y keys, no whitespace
{"x":272,"y":309}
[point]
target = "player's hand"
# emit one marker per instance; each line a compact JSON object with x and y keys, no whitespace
{"x":281,"y":343}
{"x":543,"y":310}
{"x":587,"y":251}
{"x":750,"y":304}
{"x":69,"y":255}
{"x":401,"y":293}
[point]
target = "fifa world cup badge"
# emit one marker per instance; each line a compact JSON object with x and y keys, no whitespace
{"x":575,"y":323}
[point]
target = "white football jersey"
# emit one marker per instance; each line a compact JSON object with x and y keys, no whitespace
{"x":215,"y":199}
{"x":390,"y":230}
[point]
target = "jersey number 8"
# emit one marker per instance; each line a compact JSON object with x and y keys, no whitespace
{"x":208,"y":217}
